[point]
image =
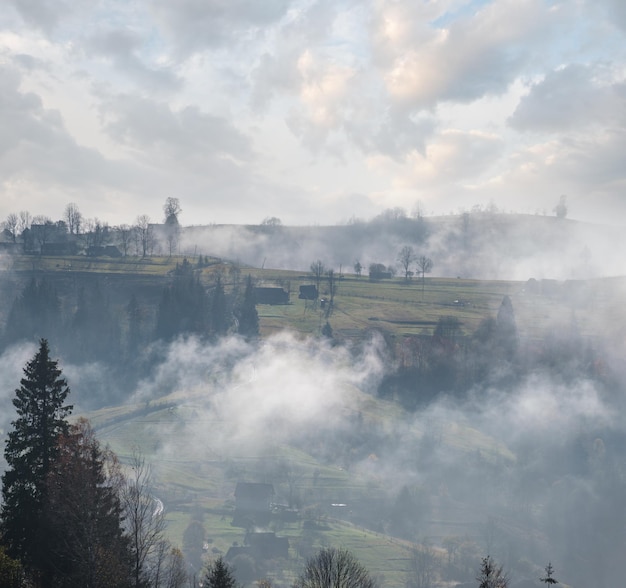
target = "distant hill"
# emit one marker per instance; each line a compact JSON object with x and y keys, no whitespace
{"x":478,"y":245}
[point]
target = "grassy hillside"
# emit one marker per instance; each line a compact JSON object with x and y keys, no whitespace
{"x":393,"y":306}
{"x":198,"y":483}
{"x":329,"y":495}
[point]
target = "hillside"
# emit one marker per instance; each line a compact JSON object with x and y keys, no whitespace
{"x":480,"y":466}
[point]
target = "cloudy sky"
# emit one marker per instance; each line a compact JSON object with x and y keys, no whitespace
{"x":313,"y":111}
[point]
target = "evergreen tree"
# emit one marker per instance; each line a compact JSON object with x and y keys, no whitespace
{"x":248,"y":315}
{"x":219,"y":310}
{"x":506,"y":329}
{"x":183,"y":307}
{"x":219,"y":575}
{"x":491,"y":575}
{"x":31,"y":449}
{"x":90,"y":549}
{"x":549,"y":579}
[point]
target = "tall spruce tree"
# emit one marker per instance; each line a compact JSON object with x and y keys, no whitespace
{"x":219,"y":575}
{"x":219,"y":310}
{"x":31,"y":449}
{"x":248,"y":315}
{"x":84,"y":485}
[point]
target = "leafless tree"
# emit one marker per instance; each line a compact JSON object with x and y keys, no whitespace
{"x":333,"y":284}
{"x":171,"y":210}
{"x":96,"y":233}
{"x":73,"y":218}
{"x":125,"y":234}
{"x":169,"y":567}
{"x":334,"y":568}
{"x":406,"y":257}
{"x":25,"y":220}
{"x":318,"y":269}
{"x":12,"y":226}
{"x":425,"y":266}
{"x":422,"y":567}
{"x":144,"y":234}
{"x":145,"y":522}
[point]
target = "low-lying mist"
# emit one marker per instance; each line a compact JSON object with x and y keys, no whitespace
{"x":478,"y":245}
{"x":529,"y":475}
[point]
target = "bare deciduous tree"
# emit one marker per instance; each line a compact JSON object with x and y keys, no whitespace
{"x":332,"y":290}
{"x":425,"y":266}
{"x":334,"y":568}
{"x":143,"y":230}
{"x":422,"y":567}
{"x":171,"y":210}
{"x":318,"y":269}
{"x":145,"y":523}
{"x":12,"y":226}
{"x":406,"y":257}
{"x":73,"y":218}
{"x":125,"y":234}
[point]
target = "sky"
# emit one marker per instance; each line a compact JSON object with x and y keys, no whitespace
{"x":312,"y":111}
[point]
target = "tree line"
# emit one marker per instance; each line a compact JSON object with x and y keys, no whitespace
{"x":73,"y":232}
{"x":86,"y":327}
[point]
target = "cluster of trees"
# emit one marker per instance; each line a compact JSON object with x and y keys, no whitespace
{"x":321,"y":273}
{"x":36,"y":233}
{"x":187,"y":308}
{"x":450,"y":361}
{"x":407,"y":258}
{"x":87,"y":327}
{"x":453,"y":361}
{"x":70,"y":516}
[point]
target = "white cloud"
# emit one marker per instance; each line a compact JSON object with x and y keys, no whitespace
{"x":572,"y":99}
{"x":299,"y":106}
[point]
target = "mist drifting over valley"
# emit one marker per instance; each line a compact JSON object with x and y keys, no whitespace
{"x":453,"y":445}
{"x":477,"y":244}
{"x":363,"y":258}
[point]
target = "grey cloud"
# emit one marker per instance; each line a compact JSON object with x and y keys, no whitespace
{"x":617,"y":12}
{"x":188,"y":136}
{"x":35,"y":145}
{"x":474,"y":56}
{"x":569,"y":99}
{"x":43,"y":14}
{"x":122,"y":47}
{"x":195,"y":25}
{"x":28,"y":62}
{"x":277,"y":69}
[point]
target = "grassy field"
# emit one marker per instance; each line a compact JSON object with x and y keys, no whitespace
{"x":190,"y":485}
{"x":397,"y":308}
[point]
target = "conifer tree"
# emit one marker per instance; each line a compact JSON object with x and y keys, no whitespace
{"x":491,"y":575}
{"x":549,"y":578}
{"x":219,"y":575}
{"x":219,"y":311}
{"x":31,"y":449}
{"x":248,"y":315}
{"x":84,"y":484}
